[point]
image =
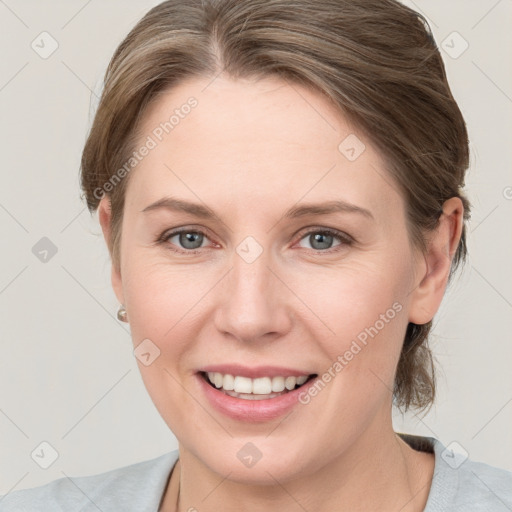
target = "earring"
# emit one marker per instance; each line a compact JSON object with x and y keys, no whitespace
{"x":122,"y":316}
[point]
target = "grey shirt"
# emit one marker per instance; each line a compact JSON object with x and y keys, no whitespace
{"x":458,"y":484}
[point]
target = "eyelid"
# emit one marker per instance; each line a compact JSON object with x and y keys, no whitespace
{"x":166,"y":235}
{"x":344,"y":238}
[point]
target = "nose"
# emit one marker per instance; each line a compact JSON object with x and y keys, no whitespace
{"x":252,"y":302}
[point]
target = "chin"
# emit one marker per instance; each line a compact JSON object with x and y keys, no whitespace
{"x":255,"y":461}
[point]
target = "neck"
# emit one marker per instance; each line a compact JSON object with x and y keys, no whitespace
{"x":378,"y":472}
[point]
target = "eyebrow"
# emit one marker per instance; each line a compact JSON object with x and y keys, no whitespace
{"x":198,"y":210}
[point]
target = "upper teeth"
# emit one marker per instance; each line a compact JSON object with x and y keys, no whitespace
{"x":259,"y":386}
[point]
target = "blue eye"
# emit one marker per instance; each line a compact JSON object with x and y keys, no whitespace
{"x":187,"y":239}
{"x":322,"y":239}
{"x":190,"y":241}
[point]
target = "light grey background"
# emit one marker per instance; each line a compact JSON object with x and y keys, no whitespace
{"x":67,"y":372}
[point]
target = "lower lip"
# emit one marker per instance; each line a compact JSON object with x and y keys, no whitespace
{"x":251,"y":410}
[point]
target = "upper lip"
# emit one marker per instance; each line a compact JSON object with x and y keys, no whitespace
{"x":253,"y":372}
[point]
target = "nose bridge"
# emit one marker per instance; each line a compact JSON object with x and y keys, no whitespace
{"x":252,"y":302}
{"x":250,"y":279}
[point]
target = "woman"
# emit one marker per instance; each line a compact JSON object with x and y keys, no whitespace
{"x":280,"y":188}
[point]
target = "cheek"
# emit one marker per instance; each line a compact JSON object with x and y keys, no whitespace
{"x":161,"y":296}
{"x":164,"y":302}
{"x":362,"y":318}
{"x":352,"y":299}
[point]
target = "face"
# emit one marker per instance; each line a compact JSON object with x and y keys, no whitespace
{"x":278,"y":254}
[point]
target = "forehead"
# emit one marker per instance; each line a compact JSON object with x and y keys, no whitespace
{"x":256,"y":142}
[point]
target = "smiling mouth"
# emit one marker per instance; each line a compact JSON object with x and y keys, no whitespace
{"x":262,"y":388}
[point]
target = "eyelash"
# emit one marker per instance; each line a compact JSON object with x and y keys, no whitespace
{"x":343,"y":238}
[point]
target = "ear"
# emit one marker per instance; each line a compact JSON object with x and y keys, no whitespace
{"x":434,"y":268}
{"x":105,"y":217}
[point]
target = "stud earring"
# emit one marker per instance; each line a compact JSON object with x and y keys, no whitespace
{"x":122,"y":316}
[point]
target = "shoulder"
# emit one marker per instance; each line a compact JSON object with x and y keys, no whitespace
{"x":461,"y":484}
{"x":135,"y":487}
{"x":481,"y":487}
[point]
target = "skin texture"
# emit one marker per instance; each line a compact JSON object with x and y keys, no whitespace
{"x":250,"y":151}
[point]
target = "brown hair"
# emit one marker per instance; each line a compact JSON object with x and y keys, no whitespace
{"x":374,"y":60}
